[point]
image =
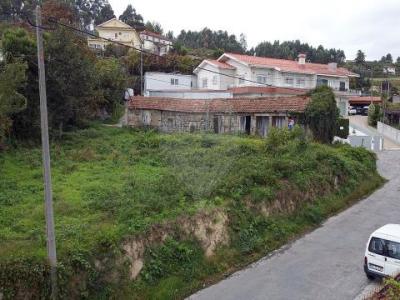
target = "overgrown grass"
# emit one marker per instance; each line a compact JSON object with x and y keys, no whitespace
{"x":112,"y":183}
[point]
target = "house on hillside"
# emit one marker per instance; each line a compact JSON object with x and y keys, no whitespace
{"x":165,"y":82}
{"x":155,"y":43}
{"x":240,"y":115}
{"x":115,"y":30}
{"x":232,"y":71}
{"x":390,"y":70}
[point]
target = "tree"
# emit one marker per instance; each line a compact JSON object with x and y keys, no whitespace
{"x":360,"y":58}
{"x":111,"y":82}
{"x":389,"y":58}
{"x":12,"y":78}
{"x":130,"y":17}
{"x":374,"y":114}
{"x":154,"y":27}
{"x":106,"y":13}
{"x":322,"y":114}
{"x":170,"y":35}
{"x":17,"y":10}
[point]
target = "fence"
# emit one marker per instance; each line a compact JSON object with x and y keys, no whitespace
{"x":389,"y":132}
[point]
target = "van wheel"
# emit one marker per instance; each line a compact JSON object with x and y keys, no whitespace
{"x":370,"y":277}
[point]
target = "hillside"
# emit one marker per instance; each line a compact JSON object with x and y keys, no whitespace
{"x":151,"y":215}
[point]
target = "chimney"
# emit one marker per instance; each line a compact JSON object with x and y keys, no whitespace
{"x":302,"y":59}
{"x":332,"y":66}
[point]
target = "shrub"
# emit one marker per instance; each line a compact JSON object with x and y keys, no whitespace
{"x":322,"y":114}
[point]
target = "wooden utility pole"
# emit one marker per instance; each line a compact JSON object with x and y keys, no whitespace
{"x":50,"y":236}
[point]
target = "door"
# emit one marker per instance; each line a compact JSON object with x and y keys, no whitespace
{"x":245,"y":124}
{"x":262,"y":126}
{"x":392,"y":265}
{"x":376,"y":255}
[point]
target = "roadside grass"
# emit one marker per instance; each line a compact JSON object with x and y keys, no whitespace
{"x":112,"y":183}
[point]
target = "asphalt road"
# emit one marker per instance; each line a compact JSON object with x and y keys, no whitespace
{"x":326,"y":263}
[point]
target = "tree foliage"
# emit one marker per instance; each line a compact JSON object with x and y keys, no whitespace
{"x":374,"y":114}
{"x":12,"y":78}
{"x":78,"y":84}
{"x":360,"y":58}
{"x":131,"y":17}
{"x":291,"y":49}
{"x":322,"y":114}
{"x":154,"y":27}
{"x":207,"y":38}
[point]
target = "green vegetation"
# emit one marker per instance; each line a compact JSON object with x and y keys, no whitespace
{"x":322,"y":114}
{"x":113,"y":184}
{"x":374,"y":114}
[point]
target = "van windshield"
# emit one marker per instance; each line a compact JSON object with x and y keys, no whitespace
{"x":384,"y":247}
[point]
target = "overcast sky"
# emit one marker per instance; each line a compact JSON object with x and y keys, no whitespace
{"x":370,"y":25}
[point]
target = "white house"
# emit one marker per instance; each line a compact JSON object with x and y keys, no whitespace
{"x":158,"y":81}
{"x":155,"y":43}
{"x":114,"y":30}
{"x":389,"y":70}
{"x":237,"y":70}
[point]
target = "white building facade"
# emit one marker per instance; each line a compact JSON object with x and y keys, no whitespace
{"x":158,"y":82}
{"x":236,"y":70}
{"x":155,"y":43}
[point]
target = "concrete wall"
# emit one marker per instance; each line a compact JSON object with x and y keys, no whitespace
{"x":157,"y":81}
{"x":389,"y":132}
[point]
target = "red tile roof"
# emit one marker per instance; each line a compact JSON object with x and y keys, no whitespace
{"x":288,"y":65}
{"x":220,"y":64}
{"x":364,"y":99}
{"x":245,"y":105}
{"x":154,"y":34}
{"x":267,"y":90}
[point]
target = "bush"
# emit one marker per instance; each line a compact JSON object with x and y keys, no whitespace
{"x":322,"y":114}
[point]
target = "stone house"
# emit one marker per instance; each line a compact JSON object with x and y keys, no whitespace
{"x":240,"y":115}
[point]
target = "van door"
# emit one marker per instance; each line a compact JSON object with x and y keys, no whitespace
{"x":376,"y":255}
{"x":392,"y":265}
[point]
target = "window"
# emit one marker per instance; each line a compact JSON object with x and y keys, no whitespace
{"x":322,"y":82}
{"x":204,"y":83}
{"x":342,"y":86}
{"x":261,"y":79}
{"x":289,"y":80}
{"x":119,"y":33}
{"x":116,"y":35}
{"x":393,"y":249}
{"x":215,"y":80}
{"x":300,"y":82}
{"x":174,"y":81}
{"x":377,"y":246}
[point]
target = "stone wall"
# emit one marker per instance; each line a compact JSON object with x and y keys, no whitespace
{"x":170,"y":121}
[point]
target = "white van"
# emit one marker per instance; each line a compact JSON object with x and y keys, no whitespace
{"x":382,"y":256}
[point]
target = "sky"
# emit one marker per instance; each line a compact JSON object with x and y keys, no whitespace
{"x":370,"y":25}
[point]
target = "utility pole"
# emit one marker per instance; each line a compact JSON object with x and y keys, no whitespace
{"x":141,"y":69}
{"x":50,"y":236}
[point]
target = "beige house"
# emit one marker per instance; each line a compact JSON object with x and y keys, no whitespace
{"x":115,"y":30}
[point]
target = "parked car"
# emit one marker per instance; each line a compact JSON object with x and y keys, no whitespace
{"x":365,"y":110}
{"x":352,"y":111}
{"x":382,"y":254}
{"x":359,"y":110}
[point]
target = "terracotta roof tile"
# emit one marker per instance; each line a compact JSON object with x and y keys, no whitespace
{"x":289,"y":65}
{"x":245,"y":105}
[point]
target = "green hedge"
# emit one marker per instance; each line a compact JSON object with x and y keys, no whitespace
{"x":343,"y":128}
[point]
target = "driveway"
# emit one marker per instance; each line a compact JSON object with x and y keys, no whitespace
{"x":326,"y":263}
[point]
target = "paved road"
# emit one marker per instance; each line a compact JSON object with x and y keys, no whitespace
{"x":326,"y":263}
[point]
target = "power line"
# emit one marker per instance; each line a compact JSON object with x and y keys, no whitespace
{"x":53,"y":20}
{"x":71,"y":28}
